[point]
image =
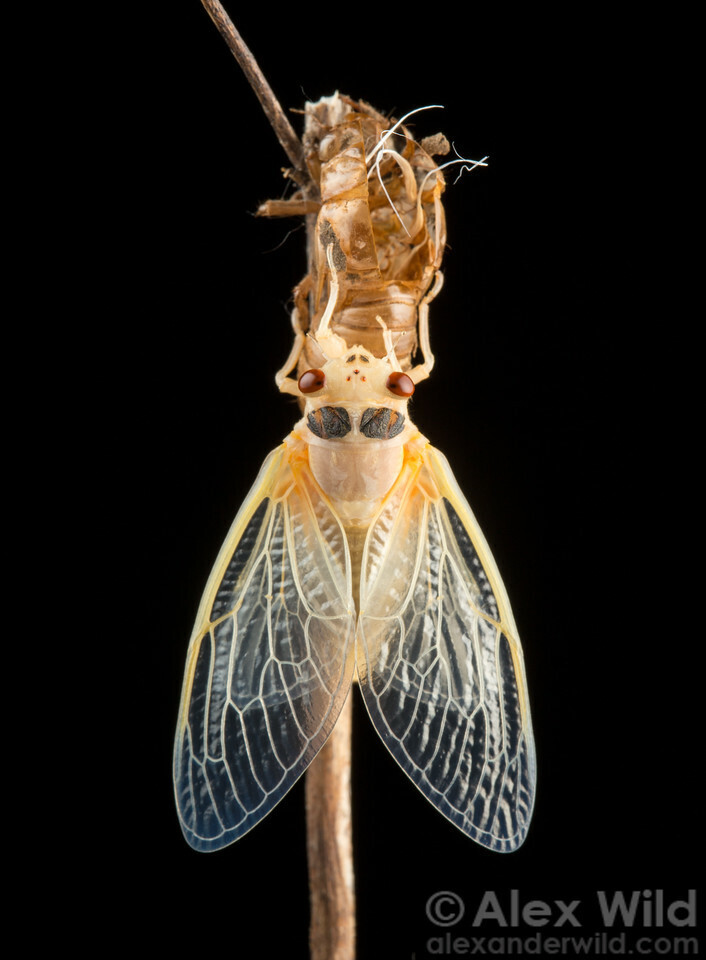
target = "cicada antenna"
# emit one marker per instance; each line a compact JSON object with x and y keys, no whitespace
{"x":389,"y":342}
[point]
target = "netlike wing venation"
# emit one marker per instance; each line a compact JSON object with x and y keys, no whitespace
{"x":439,"y":661}
{"x":270,"y":662}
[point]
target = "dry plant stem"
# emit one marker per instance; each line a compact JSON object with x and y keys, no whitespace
{"x":270,"y":104}
{"x":330,"y":846}
{"x":328,"y":785}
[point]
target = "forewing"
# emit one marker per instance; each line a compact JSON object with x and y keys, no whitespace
{"x":270,"y":660}
{"x":439,"y":659}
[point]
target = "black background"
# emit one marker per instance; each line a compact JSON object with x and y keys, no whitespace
{"x":545,"y":390}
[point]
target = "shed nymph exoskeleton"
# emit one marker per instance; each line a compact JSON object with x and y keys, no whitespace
{"x":355,"y":555}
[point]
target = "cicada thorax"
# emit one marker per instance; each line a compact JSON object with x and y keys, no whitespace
{"x":355,"y":427}
{"x":375,"y":201}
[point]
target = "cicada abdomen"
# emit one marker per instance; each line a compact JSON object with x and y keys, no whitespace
{"x":374,"y":198}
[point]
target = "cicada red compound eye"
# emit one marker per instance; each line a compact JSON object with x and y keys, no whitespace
{"x":400,"y":384}
{"x":311,"y":381}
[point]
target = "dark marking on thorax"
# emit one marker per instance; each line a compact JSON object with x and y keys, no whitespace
{"x":329,"y":423}
{"x":381,"y":423}
{"x":376,"y":423}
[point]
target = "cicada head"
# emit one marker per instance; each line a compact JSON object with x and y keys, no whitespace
{"x":357,"y":377}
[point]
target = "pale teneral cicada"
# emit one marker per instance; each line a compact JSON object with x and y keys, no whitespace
{"x":355,"y":555}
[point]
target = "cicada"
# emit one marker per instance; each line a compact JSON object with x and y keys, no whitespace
{"x":355,"y":556}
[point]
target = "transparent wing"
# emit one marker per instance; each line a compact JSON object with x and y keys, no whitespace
{"x":270,"y":661}
{"x":439,"y":659}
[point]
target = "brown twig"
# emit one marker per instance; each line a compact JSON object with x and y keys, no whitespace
{"x":330,"y":845}
{"x":328,"y":779}
{"x":270,"y":104}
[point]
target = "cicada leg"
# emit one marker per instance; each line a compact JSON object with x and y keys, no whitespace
{"x":422,"y":370}
{"x":285,"y":383}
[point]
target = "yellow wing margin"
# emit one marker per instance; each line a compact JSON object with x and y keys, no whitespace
{"x":270,"y":660}
{"x":450,"y":490}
